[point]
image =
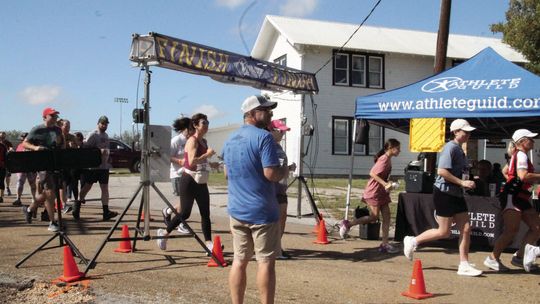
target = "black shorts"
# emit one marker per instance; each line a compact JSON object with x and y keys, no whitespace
{"x":94,"y":176}
{"x":448,"y":205}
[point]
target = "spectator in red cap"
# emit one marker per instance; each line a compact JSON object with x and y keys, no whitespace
{"x":45,"y":136}
{"x":278,"y":129}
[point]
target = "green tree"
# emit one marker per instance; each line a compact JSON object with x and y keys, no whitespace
{"x":522,"y":30}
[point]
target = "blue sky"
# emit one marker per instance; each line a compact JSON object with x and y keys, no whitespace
{"x":73,"y":54}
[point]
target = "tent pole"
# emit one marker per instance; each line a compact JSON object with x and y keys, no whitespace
{"x":485,"y":148}
{"x":300,"y":165}
{"x":351,"y":169}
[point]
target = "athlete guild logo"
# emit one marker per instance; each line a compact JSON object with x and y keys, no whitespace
{"x":442,"y":84}
{"x":445,"y":84}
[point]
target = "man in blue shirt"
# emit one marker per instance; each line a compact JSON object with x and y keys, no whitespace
{"x":252,"y":166}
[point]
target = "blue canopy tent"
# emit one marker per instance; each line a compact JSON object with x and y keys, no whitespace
{"x":495,"y":95}
{"x":487,"y":90}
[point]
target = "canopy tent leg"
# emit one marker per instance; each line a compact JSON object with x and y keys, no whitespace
{"x":351,"y":169}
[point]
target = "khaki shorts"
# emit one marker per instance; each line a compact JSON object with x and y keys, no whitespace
{"x":264,"y":240}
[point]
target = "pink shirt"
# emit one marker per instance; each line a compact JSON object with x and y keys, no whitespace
{"x":375,"y":191}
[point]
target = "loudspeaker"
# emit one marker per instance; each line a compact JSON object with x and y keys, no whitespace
{"x":370,"y":231}
{"x":419,"y":181}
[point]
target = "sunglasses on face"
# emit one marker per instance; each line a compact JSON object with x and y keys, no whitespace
{"x":278,"y":130}
{"x":204,"y":122}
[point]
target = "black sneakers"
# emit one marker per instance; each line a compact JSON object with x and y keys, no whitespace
{"x":76,"y":212}
{"x":109,"y":215}
{"x":27,"y":214}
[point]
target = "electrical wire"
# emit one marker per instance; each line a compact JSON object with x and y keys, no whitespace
{"x":240,"y":25}
{"x":350,"y":37}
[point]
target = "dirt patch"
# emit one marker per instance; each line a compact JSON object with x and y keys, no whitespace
{"x":31,"y":290}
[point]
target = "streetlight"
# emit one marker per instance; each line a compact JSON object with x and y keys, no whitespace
{"x":121,"y":101}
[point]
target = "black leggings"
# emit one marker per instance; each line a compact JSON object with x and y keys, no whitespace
{"x":2,"y":177}
{"x":190,"y":191}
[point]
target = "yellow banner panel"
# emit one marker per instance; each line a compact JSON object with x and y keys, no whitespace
{"x":426,"y":134}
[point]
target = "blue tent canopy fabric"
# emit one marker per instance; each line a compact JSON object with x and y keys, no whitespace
{"x":488,"y":90}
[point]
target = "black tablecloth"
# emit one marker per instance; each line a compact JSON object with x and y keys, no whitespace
{"x":416,"y":213}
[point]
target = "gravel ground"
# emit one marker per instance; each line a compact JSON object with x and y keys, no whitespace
{"x":344,"y":271}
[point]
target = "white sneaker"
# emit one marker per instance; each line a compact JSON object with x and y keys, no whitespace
{"x":344,"y":228}
{"x":494,"y":264}
{"x":408,"y":247}
{"x":162,"y":243}
{"x":468,"y":270}
{"x":529,"y":256}
{"x":53,"y":227}
{"x":182,"y":229}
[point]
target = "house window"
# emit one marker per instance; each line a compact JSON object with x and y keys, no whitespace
{"x":375,"y":142}
{"x":358,"y":70}
{"x":342,"y":138}
{"x":282,"y":60}
{"x":341,"y":69}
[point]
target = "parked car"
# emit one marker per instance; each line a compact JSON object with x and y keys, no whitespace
{"x":124,"y":156}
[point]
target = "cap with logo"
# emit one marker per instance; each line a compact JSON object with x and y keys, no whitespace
{"x":461,"y":124}
{"x":278,"y":124}
{"x":257,"y":101}
{"x":103,"y":120}
{"x":50,"y":111}
{"x":519,"y":134}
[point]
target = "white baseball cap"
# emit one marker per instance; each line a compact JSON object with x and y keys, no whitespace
{"x":519,"y":134}
{"x":257,"y":101}
{"x":461,"y":124}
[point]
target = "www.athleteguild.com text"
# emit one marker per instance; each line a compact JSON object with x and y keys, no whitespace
{"x":493,"y":102}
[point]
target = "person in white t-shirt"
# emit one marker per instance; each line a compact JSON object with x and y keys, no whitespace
{"x":518,"y":207}
{"x":178,"y":143}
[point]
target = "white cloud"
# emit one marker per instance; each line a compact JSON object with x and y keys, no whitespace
{"x":40,"y":94}
{"x":209,"y":110}
{"x":298,"y":8}
{"x":230,"y":3}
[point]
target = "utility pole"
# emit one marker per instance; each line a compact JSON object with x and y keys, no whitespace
{"x":442,"y":37}
{"x":440,"y":61}
{"x":121,"y":100}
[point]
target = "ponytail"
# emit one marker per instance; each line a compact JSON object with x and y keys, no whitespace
{"x":389,"y":144}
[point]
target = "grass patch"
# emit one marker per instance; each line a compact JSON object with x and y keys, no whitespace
{"x":330,"y":194}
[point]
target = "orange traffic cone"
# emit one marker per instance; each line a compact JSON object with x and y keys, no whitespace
{"x":71,"y":271}
{"x":218,"y":253}
{"x":125,"y":245}
{"x":417,"y":288}
{"x":322,"y":236}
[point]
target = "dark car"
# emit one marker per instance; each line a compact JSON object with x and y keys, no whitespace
{"x":123,"y":156}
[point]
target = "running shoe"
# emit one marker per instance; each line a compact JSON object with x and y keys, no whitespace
{"x":17,"y":202}
{"x":468,"y":270}
{"x":408,"y":247}
{"x":53,"y":226}
{"x":109,"y":215}
{"x":344,"y":227}
{"x":67,"y":208}
{"x":27,"y":214}
{"x":494,"y":264}
{"x":387,"y":248}
{"x":529,"y":256}
{"x":162,"y":243}
{"x":166,"y":216}
{"x":182,"y":229}
{"x":8,"y":191}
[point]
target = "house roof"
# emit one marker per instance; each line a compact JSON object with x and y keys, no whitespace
{"x":300,"y":32}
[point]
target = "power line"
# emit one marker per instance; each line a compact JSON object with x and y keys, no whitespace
{"x":350,"y":37}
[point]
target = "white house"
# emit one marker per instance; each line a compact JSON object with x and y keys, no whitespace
{"x":374,"y":60}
